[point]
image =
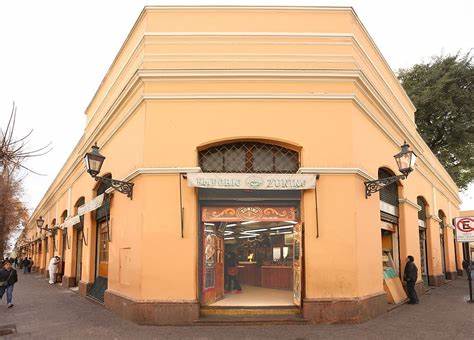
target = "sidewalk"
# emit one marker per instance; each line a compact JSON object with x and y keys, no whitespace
{"x":44,"y":312}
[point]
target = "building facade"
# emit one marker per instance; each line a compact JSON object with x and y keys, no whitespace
{"x":248,"y":134}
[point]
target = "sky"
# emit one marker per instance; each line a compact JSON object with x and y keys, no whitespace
{"x":54,"y":54}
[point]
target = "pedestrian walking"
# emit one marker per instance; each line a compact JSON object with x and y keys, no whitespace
{"x":410,"y":276}
{"x":53,"y":269}
{"x":30,"y":265}
{"x":26,"y":263}
{"x":8,"y":278}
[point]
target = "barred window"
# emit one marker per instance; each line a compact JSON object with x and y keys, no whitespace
{"x":422,"y":212}
{"x":249,"y":157}
{"x":389,"y":193}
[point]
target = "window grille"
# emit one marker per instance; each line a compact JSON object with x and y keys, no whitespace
{"x":389,"y":193}
{"x":249,"y":157}
{"x":422,"y":212}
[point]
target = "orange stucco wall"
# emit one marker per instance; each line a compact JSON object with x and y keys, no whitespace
{"x":189,"y":77}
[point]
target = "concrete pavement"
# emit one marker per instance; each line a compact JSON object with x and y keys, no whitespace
{"x":44,"y":312}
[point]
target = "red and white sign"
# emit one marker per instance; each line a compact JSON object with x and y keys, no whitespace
{"x":464,"y":229}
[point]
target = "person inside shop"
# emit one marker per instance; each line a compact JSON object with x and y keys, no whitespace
{"x":232,"y":272}
{"x":8,"y":278}
{"x":410,"y":276}
{"x":53,"y":269}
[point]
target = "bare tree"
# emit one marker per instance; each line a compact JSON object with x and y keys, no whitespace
{"x":14,"y":153}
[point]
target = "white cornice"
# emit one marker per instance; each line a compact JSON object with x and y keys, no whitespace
{"x":336,"y":171}
{"x":434,"y":217}
{"x":407,"y":201}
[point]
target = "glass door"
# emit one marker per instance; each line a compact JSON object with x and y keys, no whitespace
{"x":79,"y":241}
{"x":297,"y":263}
{"x":102,"y":250}
{"x":424,"y":259}
{"x":213,"y":265}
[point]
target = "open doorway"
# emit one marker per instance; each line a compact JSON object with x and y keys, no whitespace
{"x":251,"y":263}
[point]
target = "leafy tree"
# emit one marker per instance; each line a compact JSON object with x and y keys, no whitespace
{"x":443,"y":92}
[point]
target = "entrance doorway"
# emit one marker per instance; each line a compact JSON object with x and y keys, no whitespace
{"x":251,"y":262}
{"x":79,"y":240}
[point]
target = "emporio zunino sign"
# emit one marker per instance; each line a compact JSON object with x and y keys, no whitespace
{"x":252,"y":181}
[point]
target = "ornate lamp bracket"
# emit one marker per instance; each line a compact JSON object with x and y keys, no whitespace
{"x":374,"y":186}
{"x":121,"y":186}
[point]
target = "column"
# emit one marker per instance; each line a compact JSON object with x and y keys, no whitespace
{"x":436,"y":277}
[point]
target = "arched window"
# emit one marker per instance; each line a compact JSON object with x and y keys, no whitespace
{"x":249,"y":157}
{"x":389,"y":193}
{"x":63,"y":216}
{"x":79,"y":202}
{"x":388,"y":199}
{"x":442,"y":217}
{"x":422,"y":212}
{"x":103,"y":210}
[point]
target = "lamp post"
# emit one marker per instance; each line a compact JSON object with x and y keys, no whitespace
{"x":406,"y":163}
{"x":93,"y":161}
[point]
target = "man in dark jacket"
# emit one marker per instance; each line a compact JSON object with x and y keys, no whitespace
{"x":26,"y":263}
{"x":8,"y":278}
{"x":410,"y":276}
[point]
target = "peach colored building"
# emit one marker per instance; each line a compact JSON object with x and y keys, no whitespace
{"x":248,"y":134}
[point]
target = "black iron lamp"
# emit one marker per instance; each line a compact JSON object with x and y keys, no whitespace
{"x":406,"y":163}
{"x":93,"y":161}
{"x":40,"y":223}
{"x":405,"y":159}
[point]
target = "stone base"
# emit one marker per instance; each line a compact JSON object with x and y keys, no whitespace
{"x":420,"y":288}
{"x":84,"y":288}
{"x":344,"y":310}
{"x":436,"y":280}
{"x":152,"y":313}
{"x":42,"y":271}
{"x":451,"y":275}
{"x":460,"y":272}
{"x":68,"y":282}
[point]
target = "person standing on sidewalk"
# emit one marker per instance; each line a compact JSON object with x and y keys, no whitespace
{"x":8,"y":278}
{"x":410,"y":276}
{"x":53,"y":269}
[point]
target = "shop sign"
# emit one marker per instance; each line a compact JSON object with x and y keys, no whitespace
{"x":464,"y":229}
{"x":91,"y":205}
{"x":252,"y":181}
{"x":248,"y":213}
{"x":71,"y":221}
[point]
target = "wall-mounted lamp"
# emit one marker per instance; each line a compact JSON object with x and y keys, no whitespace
{"x":406,"y":163}
{"x":93,"y":161}
{"x":40,"y":223}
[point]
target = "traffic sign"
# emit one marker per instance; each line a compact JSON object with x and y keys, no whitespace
{"x":464,"y":229}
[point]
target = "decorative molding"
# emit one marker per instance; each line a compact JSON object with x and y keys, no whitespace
{"x":413,"y":204}
{"x":157,"y":171}
{"x":436,"y":218}
{"x":336,"y":171}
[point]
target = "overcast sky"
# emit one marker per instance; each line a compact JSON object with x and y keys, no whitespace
{"x":54,"y":54}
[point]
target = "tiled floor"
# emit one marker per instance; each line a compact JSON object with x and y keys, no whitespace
{"x":257,"y":297}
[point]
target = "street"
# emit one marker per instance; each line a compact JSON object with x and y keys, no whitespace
{"x":48,"y":312}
